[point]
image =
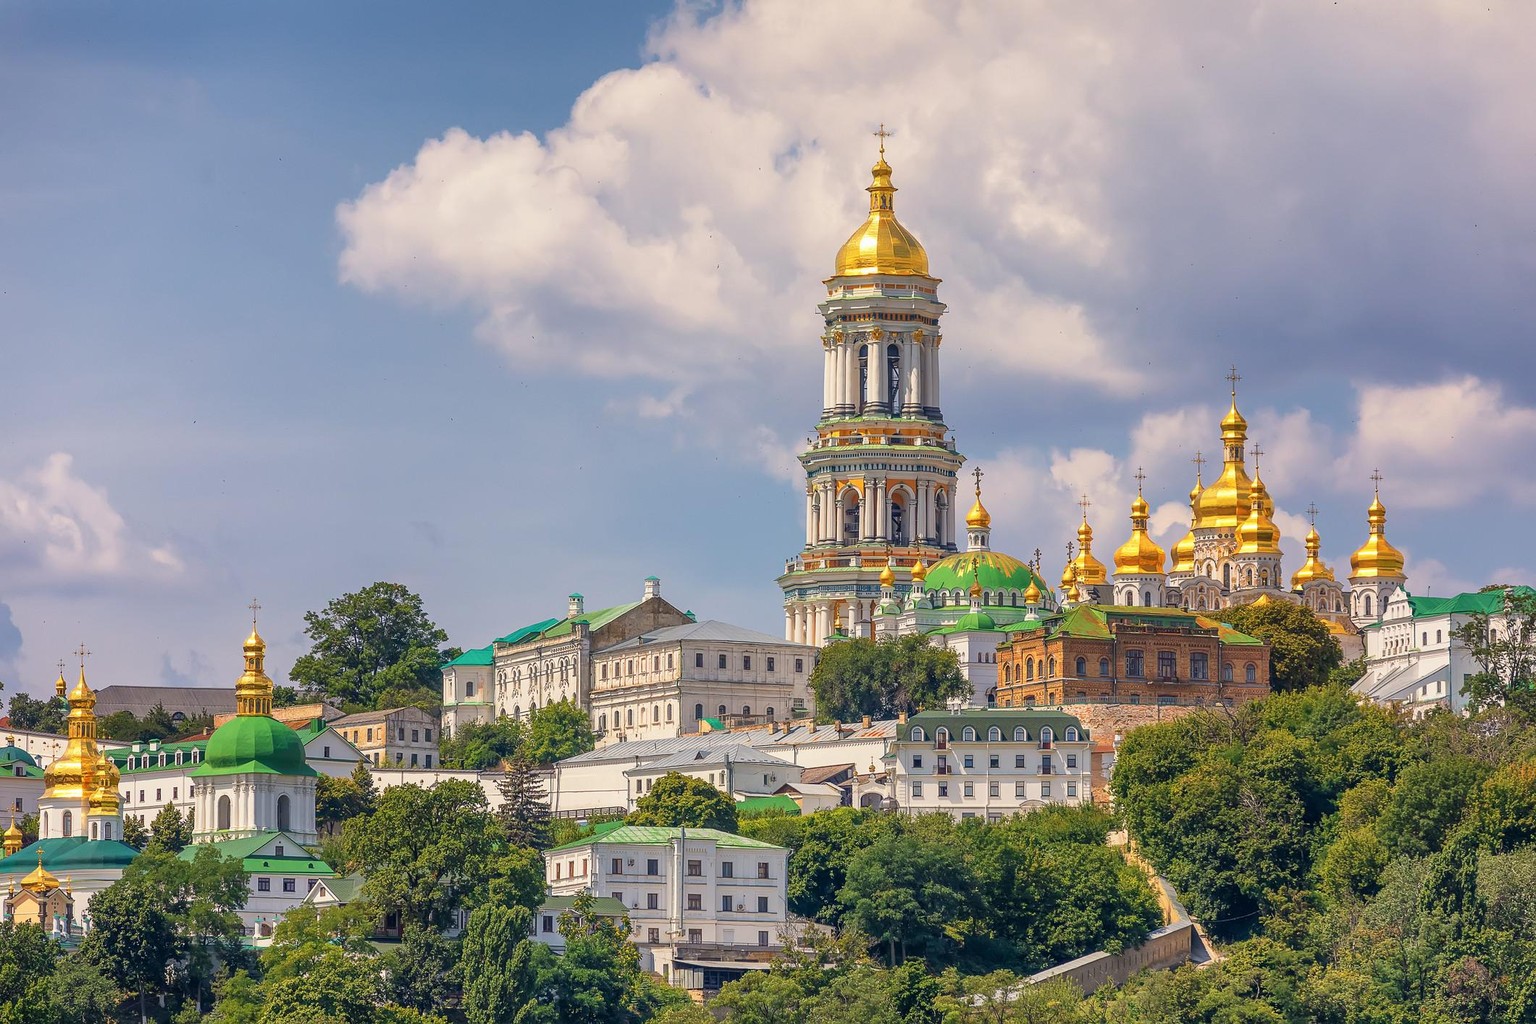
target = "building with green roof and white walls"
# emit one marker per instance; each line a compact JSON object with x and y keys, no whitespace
{"x":21,"y":780}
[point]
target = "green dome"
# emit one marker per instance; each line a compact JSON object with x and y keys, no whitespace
{"x":996,"y":570}
{"x":12,"y":753}
{"x":974,"y":621}
{"x":254,"y":743}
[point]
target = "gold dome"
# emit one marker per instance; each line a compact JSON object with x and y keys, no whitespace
{"x":69,"y":775}
{"x":881,"y":245}
{"x":1313,"y":568}
{"x":1258,"y":534}
{"x":978,"y":518}
{"x":1140,"y":554}
{"x":919,"y":571}
{"x":13,"y":838}
{"x":887,"y":576}
{"x":1084,"y":568}
{"x":1376,"y":558}
{"x":1031,"y":594}
{"x":253,"y":690}
{"x":103,"y":796}
{"x":1226,"y":503}
{"x":40,"y":879}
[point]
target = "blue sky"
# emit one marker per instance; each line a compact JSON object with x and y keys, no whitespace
{"x":502,"y":301}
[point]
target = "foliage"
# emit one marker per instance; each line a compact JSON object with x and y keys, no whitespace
{"x":135,"y":832}
{"x":169,"y":832}
{"x":339,"y":800}
{"x":682,"y":800}
{"x":556,"y":731}
{"x":1302,"y":652}
{"x":425,"y":852}
{"x":27,"y":961}
{"x":156,"y":725}
{"x":36,"y":715}
{"x":482,"y":745}
{"x":883,"y":678}
{"x":422,"y":973}
{"x":524,"y":810}
{"x":904,"y":893}
{"x":367,"y":643}
{"x":1504,"y":646}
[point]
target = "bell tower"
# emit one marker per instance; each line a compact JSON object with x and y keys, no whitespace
{"x":880,"y":471}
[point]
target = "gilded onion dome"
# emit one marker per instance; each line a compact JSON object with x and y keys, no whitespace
{"x":253,"y":690}
{"x":1376,"y":558}
{"x":1031,"y":594}
{"x":881,"y":245}
{"x":40,"y":880}
{"x":1226,"y":502}
{"x":919,"y":571}
{"x":1140,"y":555}
{"x":13,"y":838}
{"x":1313,"y":568}
{"x":887,"y":576}
{"x":1258,"y":535}
{"x":104,"y":798}
{"x":978,"y":518}
{"x":69,"y":775}
{"x":1084,"y":568}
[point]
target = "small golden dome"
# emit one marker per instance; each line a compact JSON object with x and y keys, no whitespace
{"x":1258,"y":534}
{"x":1226,"y":503}
{"x":887,"y":576}
{"x":1376,"y":558}
{"x":103,"y":796}
{"x":1184,"y":554}
{"x":919,"y":571}
{"x":253,"y":690}
{"x":69,"y":774}
{"x":40,"y":879}
{"x":976,"y":589}
{"x":1085,"y":568}
{"x":1313,"y":568}
{"x":1031,"y":594}
{"x":978,"y":518}
{"x":1233,"y":426}
{"x":1141,"y":554}
{"x":881,"y":245}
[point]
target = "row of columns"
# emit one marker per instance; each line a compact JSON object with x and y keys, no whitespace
{"x":810,"y":622}
{"x":928,"y":521}
{"x":918,"y":365}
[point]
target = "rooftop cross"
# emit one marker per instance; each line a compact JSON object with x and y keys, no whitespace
{"x":882,"y":135}
{"x":82,"y":654}
{"x":61,"y":666}
{"x":1140,"y":476}
{"x":1257,"y":453}
{"x":1085,"y":504}
{"x":1233,"y":378}
{"x":1199,"y":461}
{"x":978,"y":474}
{"x":254,"y":606}
{"x":1376,"y":478}
{"x":1312,"y":513}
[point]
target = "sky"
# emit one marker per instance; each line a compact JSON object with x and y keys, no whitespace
{"x":502,"y":301}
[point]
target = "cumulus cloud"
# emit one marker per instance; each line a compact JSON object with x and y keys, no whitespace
{"x":56,"y":525}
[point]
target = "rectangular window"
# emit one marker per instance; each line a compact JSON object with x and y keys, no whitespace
{"x":327,"y":752}
{"x":695,"y":901}
{"x":415,"y":733}
{"x":1018,"y":760}
{"x":413,"y":760}
{"x":943,"y":789}
{"x":618,"y":896}
{"x":263,"y":885}
{"x":770,"y":663}
{"x":401,"y":732}
{"x":157,"y":796}
{"x":746,"y":662}
{"x":727,"y":869}
{"x":917,"y":790}
{"x":616,"y":866}
{"x":1133,"y":664}
{"x":722,"y":661}
{"x":762,"y":904}
{"x":370,"y":735}
{"x":290,"y":885}
{"x":698,"y":660}
{"x":799,"y":664}
{"x":695,"y":869}
{"x":1167,"y":665}
{"x":653,"y":867}
{"x":1071,"y":760}
{"x":653,"y":935}
{"x":992,"y":789}
{"x":970,"y":789}
{"x":917,"y":760}
{"x":762,"y":938}
{"x":1045,"y":764}
{"x":1200,"y":666}
{"x":650,"y":901}
{"x":429,"y":760}
{"x":992,"y":761}
{"x":725,"y":901}
{"x":695,"y":935}
{"x":1045,"y":791}
{"x":1071,"y":789}
{"x":970,"y":761}
{"x":309,"y":883}
{"x":548,"y":924}
{"x":762,"y":869}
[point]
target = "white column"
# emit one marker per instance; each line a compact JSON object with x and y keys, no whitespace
{"x":789,"y":624}
{"x":911,"y":375}
{"x":872,"y":376}
{"x":934,"y":374}
{"x":882,"y":511}
{"x":828,"y":376}
{"x":810,"y":515}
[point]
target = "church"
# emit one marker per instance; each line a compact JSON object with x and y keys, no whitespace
{"x":882,"y":552}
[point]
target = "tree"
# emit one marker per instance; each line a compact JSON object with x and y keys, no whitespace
{"x":340,"y":800}
{"x":524,"y":810}
{"x":369,"y":642}
{"x":134,"y":832}
{"x":422,"y":973}
{"x":27,"y":962}
{"x":885,"y":678}
{"x":503,"y":970}
{"x":1504,"y":646}
{"x":38,"y":715}
{"x":83,"y":993}
{"x":682,"y":800}
{"x":169,"y":832}
{"x":1302,"y":652}
{"x":558,"y":730}
{"x":482,"y":745}
{"x":903,"y":894}
{"x":1427,"y":803}
{"x":425,"y":852}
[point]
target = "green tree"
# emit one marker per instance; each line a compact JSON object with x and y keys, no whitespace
{"x":422,"y":973}
{"x":1503,"y":814}
{"x":83,"y":994}
{"x":482,"y":745}
{"x":169,"y":832}
{"x":503,"y":970}
{"x":556,"y":731}
{"x":1302,"y":652}
{"x":1504,"y":646}
{"x":28,"y":959}
{"x":135,"y":832}
{"x":524,"y":810}
{"x":682,"y":800}
{"x":38,"y":715}
{"x":1427,"y":803}
{"x":369,"y":642}
{"x":340,"y":800}
{"x":425,"y":852}
{"x":904,"y":894}
{"x":884,"y":678}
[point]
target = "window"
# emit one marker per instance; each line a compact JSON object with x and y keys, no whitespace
{"x":917,"y":790}
{"x":799,"y":664}
{"x":1251,"y":673}
{"x":768,"y":714}
{"x":263,"y":885}
{"x":746,"y":662}
{"x":290,"y":885}
{"x":1437,"y":636}
{"x":1104,"y":668}
{"x":695,"y":935}
{"x":1071,"y":760}
{"x":1018,"y":790}
{"x":762,"y":904}
{"x":1051,"y":665}
{"x":762,"y":869}
{"x":746,"y":709}
{"x":992,"y":761}
{"x":401,"y":736}
{"x":917,"y":760}
{"x":762,"y":938}
{"x":1226,"y":671}
{"x":653,"y":866}
{"x":770,"y":663}
{"x":970,"y":789}
{"x":722,"y":710}
{"x":1071,"y":789}
{"x":1133,"y":664}
{"x":722,"y":661}
{"x":1045,"y":791}
{"x":651,"y":901}
{"x":157,"y":796}
{"x":1018,"y":760}
{"x":326,"y":752}
{"x":414,"y":734}
{"x":1167,"y":665}
{"x":695,"y":901}
{"x":653,"y":935}
{"x":698,"y":660}
{"x":968,"y":735}
{"x":1200,"y":665}
{"x":727,"y":869}
{"x":223,"y":812}
{"x":943,"y":789}
{"x":547,"y":924}
{"x":69,"y":826}
{"x":1082,"y":667}
{"x":669,"y":712}
{"x":941,"y":738}
{"x":917,"y":735}
{"x":1020,"y":735}
{"x":994,"y":735}
{"x":616,"y":866}
{"x":1071,"y":734}
{"x":991,"y":789}
{"x":413,"y":760}
{"x":725,"y":901}
{"x":1047,"y":736}
{"x":970,"y":761}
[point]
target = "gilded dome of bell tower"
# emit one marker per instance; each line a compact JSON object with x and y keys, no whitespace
{"x":1225,"y":504}
{"x":1140,"y":555}
{"x":1376,"y":558}
{"x":881,"y":245}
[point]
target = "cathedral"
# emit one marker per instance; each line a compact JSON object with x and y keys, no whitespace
{"x":883,"y":554}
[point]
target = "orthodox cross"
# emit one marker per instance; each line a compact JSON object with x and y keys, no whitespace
{"x":1376,"y":479}
{"x":1037,"y":559}
{"x":1256,"y":453}
{"x":1312,"y":514}
{"x":1085,"y":504}
{"x":1233,"y":378}
{"x":978,"y":474}
{"x":254,"y":606}
{"x":1071,"y":547}
{"x":1199,"y":461}
{"x":1140,"y":476}
{"x":61,"y":668}
{"x":882,"y":135}
{"x":82,"y":653}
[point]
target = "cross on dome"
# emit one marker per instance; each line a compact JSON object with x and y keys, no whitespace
{"x":1312,"y":513}
{"x":1199,"y":461}
{"x":254,"y":606}
{"x":1140,"y":477}
{"x":82,"y":654}
{"x":1233,"y":377}
{"x":1257,"y":453}
{"x":1376,"y":479}
{"x":1085,"y":504}
{"x":882,"y":135}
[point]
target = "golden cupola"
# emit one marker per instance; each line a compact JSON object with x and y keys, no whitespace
{"x":1031,"y":594}
{"x":103,"y":796}
{"x":887,"y":576}
{"x":1226,"y":503}
{"x":1140,"y":555}
{"x":919,"y":571}
{"x":1084,"y":569}
{"x":978,"y":518}
{"x":1184,"y":550}
{"x":1313,"y":568}
{"x":1376,"y":558}
{"x":69,"y":776}
{"x":1258,"y":535}
{"x":253,"y":690}
{"x":14,"y":840}
{"x":881,"y":245}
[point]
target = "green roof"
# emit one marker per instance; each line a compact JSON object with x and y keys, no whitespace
{"x":1484,"y":602}
{"x":752,"y":805}
{"x":971,"y":622}
{"x":562,"y":627}
{"x":1094,"y":622}
{"x":994,"y":570}
{"x":120,"y":757}
{"x":75,"y":853}
{"x":517,"y":636}
{"x":478,"y":656}
{"x":660,"y":835}
{"x":244,"y":850}
{"x":11,"y":753}
{"x":983,"y":719}
{"x":253,"y":744}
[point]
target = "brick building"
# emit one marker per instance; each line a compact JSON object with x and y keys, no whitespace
{"x":1105,"y":654}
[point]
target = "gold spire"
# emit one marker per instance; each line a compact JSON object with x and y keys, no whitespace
{"x":1225,"y":504}
{"x":1141,"y":554}
{"x":40,"y":880}
{"x":103,"y":797}
{"x":1313,"y":568}
{"x":253,"y":690}
{"x":1376,"y":558}
{"x":1087,"y":569}
{"x":978,"y":518}
{"x":1258,"y":534}
{"x":881,"y":245}
{"x":1031,"y":594}
{"x":69,"y":775}
{"x":887,"y":575}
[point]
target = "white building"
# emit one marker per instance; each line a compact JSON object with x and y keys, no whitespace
{"x":397,"y":737}
{"x":690,"y":893}
{"x":989,"y":763}
{"x":735,"y":769}
{"x":21,"y":780}
{"x":1412,"y":657}
{"x":668,"y":681}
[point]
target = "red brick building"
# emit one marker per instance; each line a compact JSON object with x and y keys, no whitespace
{"x":1104,"y":654}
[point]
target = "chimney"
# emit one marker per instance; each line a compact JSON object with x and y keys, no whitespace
{"x":574,"y":608}
{"x":652,"y":587}
{"x":901,"y":719}
{"x":866,"y":722}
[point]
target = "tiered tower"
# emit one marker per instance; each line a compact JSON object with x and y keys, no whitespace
{"x":1139,"y":574}
{"x":80,"y":797}
{"x":1376,"y":568}
{"x":881,"y":472}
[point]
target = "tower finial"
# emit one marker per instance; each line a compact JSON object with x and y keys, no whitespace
{"x":254,"y":606}
{"x":1232,"y":378}
{"x":1140,"y":477}
{"x":882,"y":135}
{"x":978,"y":474}
{"x":1312,"y":514}
{"x":1085,"y":504}
{"x":82,"y":654}
{"x":1376,"y":479}
{"x":1257,"y":453}
{"x":1199,"y":461}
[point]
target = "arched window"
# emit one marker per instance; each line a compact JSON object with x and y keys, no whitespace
{"x":602,"y":722}
{"x":1437,"y":636}
{"x":1071,"y":734}
{"x":630,"y":715}
{"x":1130,"y":598}
{"x":722,"y":710}
{"x":1226,"y":671}
{"x":863,"y":375}
{"x":1146,"y":599}
{"x":93,"y":830}
{"x":655,"y":712}
{"x":284,"y":814}
{"x":1029,"y":668}
{"x":1007,"y":672}
{"x":1104,"y":667}
{"x":968,"y":735}
{"x":517,"y":711}
{"x":1250,"y":673}
{"x":746,"y":709}
{"x":669,"y":712}
{"x":917,"y":735}
{"x":768,"y":714}
{"x":1020,"y":734}
{"x":106,"y":830}
{"x":223,"y":818}
{"x":698,"y":712}
{"x":941,"y":736}
{"x":1047,"y":735}
{"x":1367,"y":602}
{"x":1051,"y":666}
{"x":69,"y":824}
{"x":1082,"y":667}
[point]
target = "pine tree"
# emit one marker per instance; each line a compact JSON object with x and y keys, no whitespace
{"x":524,"y":810}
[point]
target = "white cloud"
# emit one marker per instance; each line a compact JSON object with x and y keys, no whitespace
{"x":52,"y":522}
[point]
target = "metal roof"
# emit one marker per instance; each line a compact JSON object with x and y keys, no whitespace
{"x":710,"y":630}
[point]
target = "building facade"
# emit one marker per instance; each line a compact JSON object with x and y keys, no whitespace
{"x":396,"y":737}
